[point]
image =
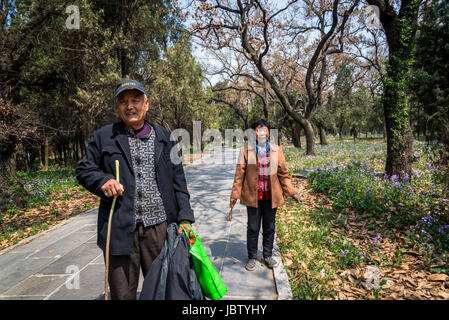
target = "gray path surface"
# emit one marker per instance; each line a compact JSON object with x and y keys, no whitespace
{"x":65,"y":262}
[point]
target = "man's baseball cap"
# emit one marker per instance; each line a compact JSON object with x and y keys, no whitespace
{"x":129,"y":84}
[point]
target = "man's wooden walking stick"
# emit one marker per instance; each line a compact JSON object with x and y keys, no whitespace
{"x":108,"y":237}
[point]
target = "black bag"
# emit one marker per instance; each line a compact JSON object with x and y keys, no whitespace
{"x":172,"y":275}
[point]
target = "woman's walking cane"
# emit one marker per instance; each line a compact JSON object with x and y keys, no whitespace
{"x":108,"y":237}
{"x":230,"y":213}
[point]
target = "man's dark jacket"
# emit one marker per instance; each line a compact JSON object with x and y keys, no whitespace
{"x":110,"y":143}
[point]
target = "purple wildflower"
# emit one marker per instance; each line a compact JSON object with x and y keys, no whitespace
{"x":377,"y":239}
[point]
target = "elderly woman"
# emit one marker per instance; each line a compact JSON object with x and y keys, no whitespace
{"x":260,"y":182}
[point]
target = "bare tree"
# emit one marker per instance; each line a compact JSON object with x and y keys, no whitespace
{"x":257,"y":27}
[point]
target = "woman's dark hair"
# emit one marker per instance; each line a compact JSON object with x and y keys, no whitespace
{"x":260,"y":122}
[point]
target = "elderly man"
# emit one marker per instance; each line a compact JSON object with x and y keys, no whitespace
{"x":152,"y":192}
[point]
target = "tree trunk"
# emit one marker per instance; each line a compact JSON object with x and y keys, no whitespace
{"x":41,"y":156}
{"x":81,"y":145}
{"x":76,"y":148}
{"x":59,"y":148}
{"x":400,"y":31}
{"x":323,"y":138}
{"x":354,"y":133}
{"x":265,"y":99}
{"x":5,"y":190}
{"x":46,"y":154}
{"x":310,"y":137}
{"x":296,"y":135}
{"x":399,"y":139}
{"x":397,"y":120}
{"x":245,"y":120}
{"x":12,"y":165}
{"x":65,"y":150}
{"x":27,"y":162}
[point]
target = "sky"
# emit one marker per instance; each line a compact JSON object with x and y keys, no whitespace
{"x":202,"y":56}
{"x":208,"y":60}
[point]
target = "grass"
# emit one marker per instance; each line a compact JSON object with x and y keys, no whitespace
{"x":302,"y":239}
{"x":337,"y":153}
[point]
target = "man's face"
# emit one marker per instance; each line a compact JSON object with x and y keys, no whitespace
{"x":132,"y":108}
{"x":262,"y":134}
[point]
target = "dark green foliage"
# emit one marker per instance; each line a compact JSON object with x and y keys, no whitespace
{"x":429,"y":84}
{"x":62,"y":81}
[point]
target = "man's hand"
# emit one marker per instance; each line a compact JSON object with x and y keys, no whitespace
{"x":185,"y":225}
{"x":297,"y":197}
{"x":232,"y":202}
{"x":112,"y":188}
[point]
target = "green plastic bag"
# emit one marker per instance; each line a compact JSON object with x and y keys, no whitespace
{"x":208,"y":277}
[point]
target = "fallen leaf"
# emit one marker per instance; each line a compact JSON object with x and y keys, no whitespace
{"x":435,"y":292}
{"x":410,"y":283}
{"x":388,"y":285}
{"x":438,"y":277}
{"x":414,"y":253}
{"x":352,"y":280}
{"x":437,"y":262}
{"x":418,"y":294}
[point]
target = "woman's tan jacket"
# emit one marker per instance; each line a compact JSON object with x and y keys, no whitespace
{"x":246,"y":176}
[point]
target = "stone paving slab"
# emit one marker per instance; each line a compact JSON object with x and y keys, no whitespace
{"x":83,"y":255}
{"x":90,"y":288}
{"x":23,"y":298}
{"x":63,"y":246}
{"x":36,"y":285}
{"x":18,"y":269}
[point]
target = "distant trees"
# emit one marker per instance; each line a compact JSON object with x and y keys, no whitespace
{"x":429,"y":84}
{"x":342,"y":99}
{"x":260,"y":32}
{"x":309,"y":66}
{"x":349,"y":109}
{"x":21,"y":25}
{"x":283,"y":52}
{"x":176,"y":92}
{"x":57,"y":84}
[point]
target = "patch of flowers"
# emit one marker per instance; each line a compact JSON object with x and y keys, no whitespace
{"x":347,"y":254}
{"x":337,"y":154}
{"x":430,"y":234}
{"x":417,"y":200}
{"x":359,"y":187}
{"x":42,"y":184}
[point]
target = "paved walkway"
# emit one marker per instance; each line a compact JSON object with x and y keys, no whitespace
{"x":65,"y":262}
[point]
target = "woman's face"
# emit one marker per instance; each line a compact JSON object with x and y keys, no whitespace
{"x":262,"y":134}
